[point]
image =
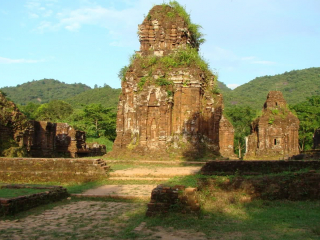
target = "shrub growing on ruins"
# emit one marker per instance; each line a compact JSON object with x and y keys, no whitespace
{"x":183,"y":57}
{"x":193,"y":28}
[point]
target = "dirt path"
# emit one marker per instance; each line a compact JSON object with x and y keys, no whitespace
{"x":138,"y":173}
{"x":90,"y":220}
{"x":156,"y":171}
{"x":103,"y":220}
{"x":138,"y":191}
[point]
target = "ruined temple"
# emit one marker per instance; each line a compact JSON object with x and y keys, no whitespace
{"x":40,"y":138}
{"x":169,"y":101}
{"x":274,"y":135}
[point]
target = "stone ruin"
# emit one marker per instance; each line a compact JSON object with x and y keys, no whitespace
{"x":166,"y":105}
{"x":274,"y":135}
{"x":41,"y":138}
{"x":46,"y":139}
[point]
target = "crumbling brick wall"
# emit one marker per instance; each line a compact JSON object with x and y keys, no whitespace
{"x":165,"y":110}
{"x":21,"y":170}
{"x":14,"y":205}
{"x":177,"y":199}
{"x":275,"y":135}
{"x":41,"y":138}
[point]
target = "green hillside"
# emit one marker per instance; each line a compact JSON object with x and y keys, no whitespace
{"x":43,"y":91}
{"x":106,"y":96}
{"x":223,"y":88}
{"x":295,"y":85}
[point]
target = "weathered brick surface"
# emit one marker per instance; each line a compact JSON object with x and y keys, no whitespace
{"x":178,"y":199}
{"x":14,"y":205}
{"x":291,"y":186}
{"x":42,"y":138}
{"x":256,"y":167}
{"x":183,"y":117}
{"x":51,"y":170}
{"x":275,"y":135}
{"x":46,"y":139}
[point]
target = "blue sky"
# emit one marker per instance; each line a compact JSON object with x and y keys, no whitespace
{"x":89,"y":41}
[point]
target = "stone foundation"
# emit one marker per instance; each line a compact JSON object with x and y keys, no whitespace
{"x":14,"y":205}
{"x":178,"y":199}
{"x":256,"y":167}
{"x":24,"y":170}
{"x":287,"y":186}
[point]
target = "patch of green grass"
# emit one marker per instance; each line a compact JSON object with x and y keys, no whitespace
{"x":141,"y":83}
{"x":255,"y":220}
{"x":101,"y":140}
{"x":134,"y":182}
{"x":81,"y":187}
{"x":17,"y":192}
{"x":188,"y":181}
{"x":122,"y":166}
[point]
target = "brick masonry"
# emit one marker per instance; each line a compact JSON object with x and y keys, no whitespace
{"x":61,"y":170}
{"x":12,"y":206}
{"x":275,"y":135}
{"x":42,"y":138}
{"x":165,"y":199}
{"x":184,"y":115}
{"x":256,"y":167}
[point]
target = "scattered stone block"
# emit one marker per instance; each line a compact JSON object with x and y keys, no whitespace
{"x":178,"y":199}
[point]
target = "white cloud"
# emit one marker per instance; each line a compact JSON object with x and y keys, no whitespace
{"x":232,"y":85}
{"x":119,"y":23}
{"x":36,"y":9}
{"x":9,"y":60}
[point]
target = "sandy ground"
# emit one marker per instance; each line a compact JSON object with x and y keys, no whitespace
{"x":88,"y":220}
{"x":121,"y":190}
{"x":138,"y":191}
{"x":156,"y":172}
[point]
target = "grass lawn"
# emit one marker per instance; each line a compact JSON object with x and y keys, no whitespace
{"x":16,"y":192}
{"x":220,"y":219}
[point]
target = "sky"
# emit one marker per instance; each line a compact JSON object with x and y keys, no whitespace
{"x":89,"y":41}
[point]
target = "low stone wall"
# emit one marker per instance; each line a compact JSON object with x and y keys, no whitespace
{"x":14,"y":205}
{"x":307,"y":155}
{"x":289,"y":186}
{"x":177,"y":198}
{"x":28,"y":170}
{"x":256,"y":167}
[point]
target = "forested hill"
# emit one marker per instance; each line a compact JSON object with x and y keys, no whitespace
{"x":223,"y":88}
{"x":295,"y":85}
{"x":106,"y":96}
{"x":43,"y":91}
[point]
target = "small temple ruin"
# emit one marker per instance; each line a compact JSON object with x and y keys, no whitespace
{"x":41,"y":138}
{"x":169,"y":101}
{"x":275,"y":134}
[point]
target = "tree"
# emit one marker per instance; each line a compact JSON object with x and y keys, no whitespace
{"x":308,"y":113}
{"x":54,"y":111}
{"x":241,"y":118}
{"x":30,"y":109}
{"x":96,"y":121}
